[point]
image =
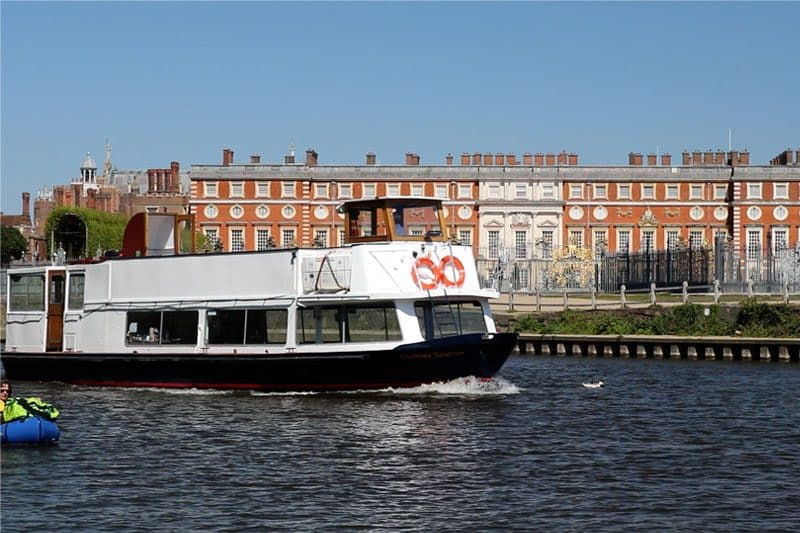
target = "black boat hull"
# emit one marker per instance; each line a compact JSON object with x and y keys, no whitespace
{"x":405,"y":366}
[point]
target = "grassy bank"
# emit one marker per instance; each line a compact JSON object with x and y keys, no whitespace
{"x":749,"y":318}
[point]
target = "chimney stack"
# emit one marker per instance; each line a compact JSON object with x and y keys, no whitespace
{"x":744,"y":158}
{"x":573,"y":159}
{"x":652,"y":160}
{"x":448,"y":160}
{"x":476,"y":158}
{"x":562,"y":158}
{"x":538,"y":159}
{"x":666,"y":160}
{"x":500,"y":160}
{"x":511,"y":159}
{"x":464,"y":159}
{"x":151,"y":181}
{"x":697,"y":158}
{"x":227,"y":157}
{"x":550,"y":159}
{"x":409,"y":159}
{"x":527,"y":159}
{"x":416,"y":160}
{"x":686,"y":159}
{"x":255,"y":159}
{"x":175,"y":177}
{"x":370,"y":159}
{"x":311,"y":157}
{"x":488,"y":159}
{"x":26,"y":205}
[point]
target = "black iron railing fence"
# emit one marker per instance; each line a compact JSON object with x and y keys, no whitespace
{"x":736,"y":270}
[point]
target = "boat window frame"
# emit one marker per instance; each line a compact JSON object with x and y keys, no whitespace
{"x":427,"y":319}
{"x":246,"y":324}
{"x":30,"y":306}
{"x":318,"y":335}
{"x":71,"y":277}
{"x":159,"y":331}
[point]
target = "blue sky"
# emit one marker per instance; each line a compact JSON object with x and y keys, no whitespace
{"x":180,"y":81}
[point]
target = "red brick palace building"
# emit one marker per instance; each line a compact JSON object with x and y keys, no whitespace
{"x":525,"y":206}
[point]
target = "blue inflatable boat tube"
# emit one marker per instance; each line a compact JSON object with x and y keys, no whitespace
{"x":30,"y":430}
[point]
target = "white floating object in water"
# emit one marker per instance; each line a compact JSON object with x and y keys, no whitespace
{"x":594,"y":385}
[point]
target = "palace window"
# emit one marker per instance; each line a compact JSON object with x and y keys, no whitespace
{"x":417,"y":189}
{"x":623,"y":192}
{"x":754,"y":190}
{"x":780,"y":191}
{"x":600,"y":241}
{"x":368,"y":190}
{"x":600,"y":191}
{"x":493,"y":190}
{"x":262,"y":189}
{"x":464,"y":190}
{"x":753,"y":244}
{"x":576,"y":237}
{"x":210,"y":189}
{"x":673,"y":192}
{"x":623,"y":241}
{"x":320,"y":190}
{"x":262,"y":239}
{"x":346,"y":190}
{"x":441,"y":191}
{"x":696,"y":192}
{"x":237,"y":189}
{"x":287,"y":238}
{"x":161,"y":327}
{"x":575,"y":191}
{"x":696,"y":239}
{"x":392,"y":189}
{"x":493,"y":240}
{"x":720,"y":192}
{"x":648,"y":191}
{"x":287,"y":189}
{"x":548,"y":191}
{"x":521,"y":244}
{"x":780,"y":239}
{"x":648,"y":241}
{"x":521,"y":191}
{"x":237,"y":240}
{"x":321,"y":238}
{"x":672,"y":239}
{"x":546,"y":244}
{"x":465,"y":236}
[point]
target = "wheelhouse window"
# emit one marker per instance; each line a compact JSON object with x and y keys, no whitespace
{"x":247,"y":326}
{"x":438,"y":320}
{"x":27,"y":292}
{"x":350,"y":323}
{"x":161,"y":327}
{"x":76,"y":288}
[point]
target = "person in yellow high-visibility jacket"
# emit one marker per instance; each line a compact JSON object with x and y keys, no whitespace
{"x":5,"y":392}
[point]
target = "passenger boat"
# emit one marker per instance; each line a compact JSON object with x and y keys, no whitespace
{"x":396,"y":305}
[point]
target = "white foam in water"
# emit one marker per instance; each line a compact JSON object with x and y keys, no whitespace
{"x":469,"y":386}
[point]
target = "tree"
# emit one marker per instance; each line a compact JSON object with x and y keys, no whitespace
{"x":13,"y":244}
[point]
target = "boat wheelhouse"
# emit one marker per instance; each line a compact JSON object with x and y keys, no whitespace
{"x":397,"y":305}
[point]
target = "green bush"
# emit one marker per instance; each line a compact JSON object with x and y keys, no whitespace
{"x":754,"y":319}
{"x":759,"y":319}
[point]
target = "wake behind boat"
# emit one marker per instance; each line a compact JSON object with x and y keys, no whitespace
{"x":396,"y":306}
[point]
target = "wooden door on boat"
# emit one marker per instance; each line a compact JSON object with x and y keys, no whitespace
{"x":55,"y":310}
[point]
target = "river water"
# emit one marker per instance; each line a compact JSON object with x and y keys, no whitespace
{"x":671,"y":445}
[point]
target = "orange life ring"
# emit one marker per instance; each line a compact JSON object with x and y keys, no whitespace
{"x":429,"y":281}
{"x":452,"y":265}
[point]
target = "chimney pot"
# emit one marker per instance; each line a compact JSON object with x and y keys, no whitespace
{"x":652,"y":160}
{"x":666,"y":160}
{"x":511,"y":159}
{"x":370,"y":159}
{"x":255,"y":159}
{"x":464,"y":159}
{"x":449,"y":160}
{"x":227,"y":156}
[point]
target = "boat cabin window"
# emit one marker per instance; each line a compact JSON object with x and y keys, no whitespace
{"x":447,"y":319}
{"x":162,"y":327}
{"x":247,"y":326}
{"x":76,"y":287}
{"x":27,"y":292}
{"x":57,"y":282}
{"x":364,"y":222}
{"x":350,"y":323}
